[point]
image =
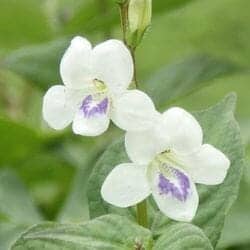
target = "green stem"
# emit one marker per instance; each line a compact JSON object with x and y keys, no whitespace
{"x":132,"y":51}
{"x":124,"y":26}
{"x":142,"y":217}
{"x":124,"y":20}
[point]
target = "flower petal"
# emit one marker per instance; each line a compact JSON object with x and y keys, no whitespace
{"x":183,"y":129}
{"x":207,"y":166}
{"x":126,"y":185}
{"x":133,"y":111}
{"x":143,"y":146}
{"x":56,"y":111}
{"x":113,"y":64}
{"x":174,"y":192}
{"x":92,"y":117}
{"x":75,"y":66}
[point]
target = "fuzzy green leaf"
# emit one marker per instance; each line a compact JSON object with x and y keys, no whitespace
{"x":17,"y":141}
{"x":17,"y":212}
{"x":183,"y":236}
{"x":15,"y":204}
{"x":38,"y":64}
{"x":224,"y":133}
{"x":237,"y":225}
{"x":114,"y":155}
{"x":110,"y":232}
{"x":9,"y":233}
{"x":180,"y":79}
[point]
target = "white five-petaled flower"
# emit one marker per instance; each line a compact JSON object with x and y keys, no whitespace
{"x":167,"y":161}
{"x":95,"y":90}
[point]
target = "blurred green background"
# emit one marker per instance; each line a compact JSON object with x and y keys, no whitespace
{"x":199,"y":50}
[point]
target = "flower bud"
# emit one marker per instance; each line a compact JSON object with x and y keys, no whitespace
{"x":139,"y":19}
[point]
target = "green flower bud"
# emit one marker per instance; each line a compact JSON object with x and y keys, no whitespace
{"x":139,"y":19}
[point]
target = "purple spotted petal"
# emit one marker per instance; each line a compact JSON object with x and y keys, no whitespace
{"x":90,"y":108}
{"x":178,"y":188}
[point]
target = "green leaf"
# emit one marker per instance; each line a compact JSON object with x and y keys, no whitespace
{"x":237,"y":223}
{"x":236,"y":229}
{"x":39,"y":63}
{"x":15,"y":204}
{"x":83,"y":155}
{"x":17,"y":211}
{"x":76,"y":207}
{"x":215,"y":201}
{"x":111,"y":232}
{"x":180,"y":79}
{"x":224,"y":133}
{"x":49,"y":177}
{"x":181,"y":236}
{"x":22,"y":22}
{"x":114,"y":155}
{"x":9,"y":233}
{"x":17,"y":141}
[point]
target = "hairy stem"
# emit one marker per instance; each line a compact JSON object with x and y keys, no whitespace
{"x":135,"y":71}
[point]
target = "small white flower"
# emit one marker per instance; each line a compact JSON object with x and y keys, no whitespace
{"x":168,"y":160}
{"x":95,"y":90}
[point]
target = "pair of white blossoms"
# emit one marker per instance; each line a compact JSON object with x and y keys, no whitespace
{"x":166,"y":150}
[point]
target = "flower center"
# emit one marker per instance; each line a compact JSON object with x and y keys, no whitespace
{"x":100,"y":86}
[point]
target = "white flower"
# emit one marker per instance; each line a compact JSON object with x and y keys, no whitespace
{"x":95,"y":90}
{"x":167,"y":162}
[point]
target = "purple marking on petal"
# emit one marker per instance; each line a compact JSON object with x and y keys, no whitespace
{"x":90,"y":108}
{"x":180,"y":191}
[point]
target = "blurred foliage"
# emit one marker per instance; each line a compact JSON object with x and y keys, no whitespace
{"x":17,"y":212}
{"x":196,"y":50}
{"x":22,"y":22}
{"x":181,"y":79}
